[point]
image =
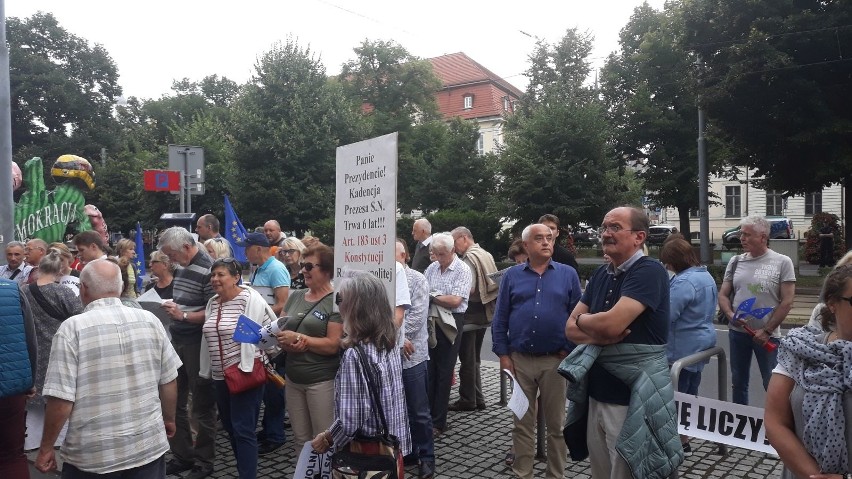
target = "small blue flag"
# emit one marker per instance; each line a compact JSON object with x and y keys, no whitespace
{"x":246,"y":331}
{"x":234,"y":232}
{"x":744,"y":310}
{"x":140,"y":257}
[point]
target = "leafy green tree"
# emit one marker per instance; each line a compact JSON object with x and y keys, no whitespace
{"x":775,"y":85}
{"x":652,"y":108}
{"x":557,"y":158}
{"x":286,"y":125}
{"x":62,"y":91}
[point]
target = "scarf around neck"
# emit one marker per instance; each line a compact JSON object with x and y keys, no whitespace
{"x":824,"y":371}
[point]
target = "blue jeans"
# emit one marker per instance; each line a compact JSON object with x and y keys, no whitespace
{"x":239,"y":414}
{"x":688,"y":382}
{"x":415,"y":380}
{"x":155,"y":469}
{"x":742,"y":346}
{"x":273,"y":412}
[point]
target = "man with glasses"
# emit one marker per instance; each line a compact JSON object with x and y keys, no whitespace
{"x":768,"y":277}
{"x":192,"y":291}
{"x":626,"y":301}
{"x":15,"y":269}
{"x":533,"y":304}
{"x":34,"y":252}
{"x":449,"y":281}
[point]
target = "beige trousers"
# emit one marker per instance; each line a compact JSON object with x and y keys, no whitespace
{"x":605,"y":421}
{"x":537,"y":375}
{"x":311,"y":409}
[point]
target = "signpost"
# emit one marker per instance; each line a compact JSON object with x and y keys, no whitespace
{"x":189,"y":160}
{"x":161,"y":180}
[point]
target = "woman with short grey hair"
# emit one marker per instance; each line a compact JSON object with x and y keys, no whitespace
{"x":290,"y":253}
{"x":51,"y":304}
{"x":162,"y":270}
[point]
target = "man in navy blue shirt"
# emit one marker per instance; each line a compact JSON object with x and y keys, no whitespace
{"x":625,"y":301}
{"x":533,"y":305}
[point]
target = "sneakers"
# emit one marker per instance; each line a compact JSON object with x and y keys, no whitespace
{"x":687,"y":449}
{"x":174,"y":467}
{"x":267,"y":447}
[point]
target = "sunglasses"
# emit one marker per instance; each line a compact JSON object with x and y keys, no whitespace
{"x":309,"y":266}
{"x":338,"y":299}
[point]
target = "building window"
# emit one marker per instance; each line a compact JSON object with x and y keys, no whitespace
{"x":774,"y":203}
{"x":732,"y":201}
{"x":694,"y":213}
{"x":480,"y":145}
{"x":813,"y":203}
{"x":505,"y":103}
{"x":468,"y":102}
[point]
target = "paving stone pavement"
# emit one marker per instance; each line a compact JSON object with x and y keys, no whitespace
{"x":475,"y":445}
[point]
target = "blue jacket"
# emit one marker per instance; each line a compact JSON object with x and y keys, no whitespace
{"x":648,"y":441}
{"x":17,"y":350}
{"x":691,"y":311}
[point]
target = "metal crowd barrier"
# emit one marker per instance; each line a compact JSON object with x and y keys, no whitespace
{"x":722,"y":386}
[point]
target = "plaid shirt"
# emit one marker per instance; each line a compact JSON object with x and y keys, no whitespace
{"x":353,"y":406}
{"x":455,"y":281}
{"x":110,"y":361}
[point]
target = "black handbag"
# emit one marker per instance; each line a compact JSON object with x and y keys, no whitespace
{"x":721,"y":317}
{"x":377,"y":456}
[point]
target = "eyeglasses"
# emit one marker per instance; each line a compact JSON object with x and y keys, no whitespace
{"x":338,"y":299}
{"x":612,"y":229}
{"x":309,"y":266}
{"x":286,"y":251}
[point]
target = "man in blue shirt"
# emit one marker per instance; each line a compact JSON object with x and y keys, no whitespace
{"x":533,"y":305}
{"x":272,"y":280}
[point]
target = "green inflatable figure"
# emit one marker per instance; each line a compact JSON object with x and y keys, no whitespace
{"x":45,"y":214}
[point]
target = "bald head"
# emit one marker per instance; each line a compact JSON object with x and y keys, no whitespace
{"x":100,"y":278}
{"x":272,"y":230}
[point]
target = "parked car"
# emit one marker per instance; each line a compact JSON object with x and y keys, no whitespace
{"x":585,"y":236}
{"x":779,"y":228}
{"x":657,"y":234}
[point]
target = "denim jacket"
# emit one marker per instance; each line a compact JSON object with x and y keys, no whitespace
{"x":692,"y":308}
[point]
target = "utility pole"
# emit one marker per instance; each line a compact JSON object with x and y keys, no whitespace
{"x":7,"y":207}
{"x":703,"y":185}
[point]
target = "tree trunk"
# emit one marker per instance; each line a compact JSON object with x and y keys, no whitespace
{"x":683,"y":214}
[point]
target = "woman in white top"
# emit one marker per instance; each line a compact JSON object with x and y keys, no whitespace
{"x":239,"y":412}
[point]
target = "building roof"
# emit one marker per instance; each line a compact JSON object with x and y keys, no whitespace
{"x":458,"y":69}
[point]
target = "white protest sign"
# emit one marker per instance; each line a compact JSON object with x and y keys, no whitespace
{"x":723,"y":422}
{"x":365,"y":210}
{"x":312,"y":465}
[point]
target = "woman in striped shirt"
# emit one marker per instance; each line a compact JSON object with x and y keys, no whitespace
{"x":239,"y":412}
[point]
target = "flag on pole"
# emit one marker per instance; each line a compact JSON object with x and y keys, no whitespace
{"x":234,"y":232}
{"x":140,"y":257}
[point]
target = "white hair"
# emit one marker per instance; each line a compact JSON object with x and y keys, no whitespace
{"x":443,"y":241}
{"x":759,"y":223}
{"x":175,"y":238}
{"x":102,"y":278}
{"x":525,"y":234}
{"x":425,"y":224}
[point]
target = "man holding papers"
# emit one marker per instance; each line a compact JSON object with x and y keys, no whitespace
{"x":533,"y":304}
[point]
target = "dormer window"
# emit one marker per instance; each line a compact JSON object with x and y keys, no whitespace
{"x":468,"y":102}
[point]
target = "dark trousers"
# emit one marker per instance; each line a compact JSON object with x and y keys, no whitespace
{"x":470,"y":381}
{"x":239,"y":414}
{"x":442,"y":362}
{"x":201,"y":451}
{"x":153,"y":470}
{"x":415,"y":380}
{"x":13,"y":462}
{"x":826,"y":253}
{"x":273,"y":411}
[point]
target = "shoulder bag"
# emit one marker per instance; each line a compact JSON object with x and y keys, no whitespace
{"x":721,"y":317}
{"x":377,"y":456}
{"x":237,"y":380}
{"x":46,"y":305}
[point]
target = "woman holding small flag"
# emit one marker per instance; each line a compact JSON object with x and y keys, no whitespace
{"x":238,"y":411}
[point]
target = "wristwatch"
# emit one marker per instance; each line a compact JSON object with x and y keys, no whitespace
{"x":184,"y":315}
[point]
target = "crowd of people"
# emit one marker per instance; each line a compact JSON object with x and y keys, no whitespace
{"x":117,"y":387}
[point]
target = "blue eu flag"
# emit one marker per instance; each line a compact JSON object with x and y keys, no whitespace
{"x":234,"y":232}
{"x":246,"y":331}
{"x":140,"y":257}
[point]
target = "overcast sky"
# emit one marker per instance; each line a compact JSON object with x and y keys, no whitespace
{"x":156,"y":41}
